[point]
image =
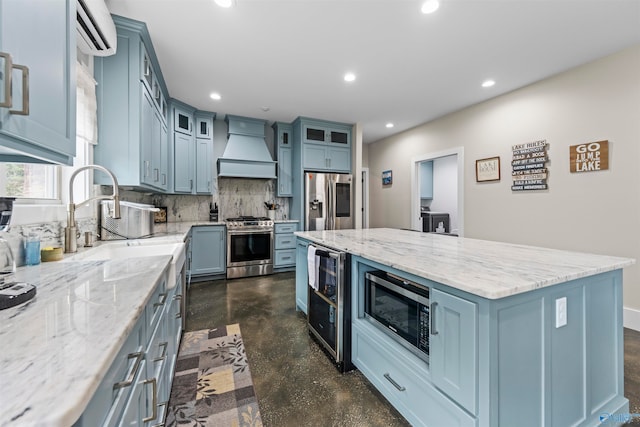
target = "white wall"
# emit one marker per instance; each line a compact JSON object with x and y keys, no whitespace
{"x":445,"y":188}
{"x":596,"y":212}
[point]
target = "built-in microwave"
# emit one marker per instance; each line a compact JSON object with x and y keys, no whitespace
{"x":400,"y":308}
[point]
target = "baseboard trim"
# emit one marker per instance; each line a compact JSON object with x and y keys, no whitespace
{"x":631,"y":318}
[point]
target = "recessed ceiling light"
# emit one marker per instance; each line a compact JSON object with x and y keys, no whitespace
{"x":389,"y":125}
{"x":224,"y":3}
{"x":215,"y":96}
{"x":265,"y":108}
{"x":349,"y":77}
{"x":488,"y":83}
{"x":430,"y":6}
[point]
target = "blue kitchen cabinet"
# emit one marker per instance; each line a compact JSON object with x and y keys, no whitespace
{"x":39,"y":122}
{"x":184,"y":148}
{"x":426,"y":180}
{"x":208,"y":250}
{"x":283,"y":134}
{"x":132,"y":132}
{"x":284,"y":254}
{"x":204,"y":151}
{"x":302,"y":275}
{"x":326,"y":146}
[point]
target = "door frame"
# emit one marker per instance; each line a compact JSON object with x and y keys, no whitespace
{"x":365,"y":197}
{"x":415,"y":220}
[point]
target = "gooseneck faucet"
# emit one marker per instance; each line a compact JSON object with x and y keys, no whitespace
{"x":71,"y":230}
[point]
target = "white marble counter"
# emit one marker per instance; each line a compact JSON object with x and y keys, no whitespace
{"x":56,"y":348}
{"x":484,"y":268}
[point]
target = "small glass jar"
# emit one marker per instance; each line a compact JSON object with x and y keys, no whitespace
{"x":32,"y":249}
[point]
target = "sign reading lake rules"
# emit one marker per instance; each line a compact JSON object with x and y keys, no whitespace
{"x":528,"y":165}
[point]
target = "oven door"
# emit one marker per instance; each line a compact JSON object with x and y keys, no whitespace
{"x":249,"y":252}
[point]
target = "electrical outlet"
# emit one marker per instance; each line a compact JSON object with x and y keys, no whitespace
{"x":561,"y":312}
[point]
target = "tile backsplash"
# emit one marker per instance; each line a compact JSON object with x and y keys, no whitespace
{"x":234,"y":196}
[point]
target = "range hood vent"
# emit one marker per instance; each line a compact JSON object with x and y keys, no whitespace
{"x":246,"y":154}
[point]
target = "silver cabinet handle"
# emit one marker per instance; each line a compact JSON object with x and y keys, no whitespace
{"x":129,"y":380}
{"x":286,"y":257}
{"x":432,"y":318}
{"x":164,"y":352}
{"x":164,"y":179}
{"x":163,"y":299}
{"x":6,"y":75}
{"x":392,"y":381}
{"x":146,"y":168}
{"x":154,"y":404}
{"x":25,"y":91}
{"x":190,"y":185}
{"x":156,"y":174}
{"x":179,"y":313}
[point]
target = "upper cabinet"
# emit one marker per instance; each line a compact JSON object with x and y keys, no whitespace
{"x":326,"y":146}
{"x":37,"y":81}
{"x":283,"y":134}
{"x":132,"y":112}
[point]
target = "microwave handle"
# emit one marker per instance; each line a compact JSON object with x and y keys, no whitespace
{"x":324,"y":254}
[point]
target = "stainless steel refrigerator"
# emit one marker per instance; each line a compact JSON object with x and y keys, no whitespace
{"x":328,"y":201}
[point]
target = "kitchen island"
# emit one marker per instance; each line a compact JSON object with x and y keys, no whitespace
{"x":525,"y":335}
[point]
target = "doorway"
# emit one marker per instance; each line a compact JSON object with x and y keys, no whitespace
{"x":447,"y":192}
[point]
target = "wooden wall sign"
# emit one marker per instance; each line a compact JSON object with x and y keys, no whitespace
{"x":592,"y":156}
{"x":528,"y":165}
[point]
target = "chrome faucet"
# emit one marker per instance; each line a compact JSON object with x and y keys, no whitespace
{"x":71,"y":230}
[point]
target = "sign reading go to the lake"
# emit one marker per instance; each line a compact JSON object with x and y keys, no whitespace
{"x":592,"y":156}
{"x":528,"y":166}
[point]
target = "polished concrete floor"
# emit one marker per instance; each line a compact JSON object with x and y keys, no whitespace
{"x":294,"y":380}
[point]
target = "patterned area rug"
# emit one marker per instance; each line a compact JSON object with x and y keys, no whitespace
{"x":212,"y":384}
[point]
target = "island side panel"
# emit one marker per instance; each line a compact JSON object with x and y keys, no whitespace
{"x":567,"y":375}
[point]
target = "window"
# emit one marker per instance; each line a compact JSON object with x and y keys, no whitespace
{"x":32,"y":181}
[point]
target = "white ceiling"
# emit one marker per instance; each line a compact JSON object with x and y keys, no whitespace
{"x":290,"y":56}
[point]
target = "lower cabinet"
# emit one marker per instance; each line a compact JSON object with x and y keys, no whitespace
{"x":302,"y":272}
{"x":208,"y":250}
{"x":284,"y":254}
{"x":136,"y":388}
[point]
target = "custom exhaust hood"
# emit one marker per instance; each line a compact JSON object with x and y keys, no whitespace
{"x":246,"y":154}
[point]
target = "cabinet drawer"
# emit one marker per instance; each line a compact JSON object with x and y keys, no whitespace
{"x":287,"y":227}
{"x":283,"y":258}
{"x":285,"y":241}
{"x":413,"y":396}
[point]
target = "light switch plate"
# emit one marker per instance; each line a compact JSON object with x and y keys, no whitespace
{"x":561,"y":312}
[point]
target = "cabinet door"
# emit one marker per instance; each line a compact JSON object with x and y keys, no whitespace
{"x":302,"y":278}
{"x":204,"y":128}
{"x":339,"y":159}
{"x":453,"y":347}
{"x":182,"y":122}
{"x":48,"y":129}
{"x":426,"y":180}
{"x":313,"y":134}
{"x":285,"y":172}
{"x":314,"y":157}
{"x":182,"y":167}
{"x":203,"y":165}
{"x":146,"y":138}
{"x":208,"y":250}
{"x":339,"y":137}
{"x":164,"y":156}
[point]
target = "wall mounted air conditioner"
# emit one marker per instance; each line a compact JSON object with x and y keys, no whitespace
{"x":95,"y":27}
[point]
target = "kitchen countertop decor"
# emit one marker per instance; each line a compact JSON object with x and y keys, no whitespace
{"x":57,"y":347}
{"x":485,"y":268}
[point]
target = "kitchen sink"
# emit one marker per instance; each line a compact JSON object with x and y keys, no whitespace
{"x":136,"y":249}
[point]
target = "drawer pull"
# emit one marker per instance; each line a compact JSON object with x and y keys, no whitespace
{"x":179,"y":313}
{"x":154,"y":404}
{"x":164,"y":352}
{"x":25,"y":91}
{"x":395,"y":384}
{"x":129,"y":380}
{"x":432,"y":317}
{"x":163,"y":299}
{"x":286,"y":257}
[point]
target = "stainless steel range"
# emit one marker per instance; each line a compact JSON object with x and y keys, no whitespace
{"x":249,"y":246}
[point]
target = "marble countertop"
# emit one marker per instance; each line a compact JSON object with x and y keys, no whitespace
{"x":57,"y":347}
{"x":485,"y":268}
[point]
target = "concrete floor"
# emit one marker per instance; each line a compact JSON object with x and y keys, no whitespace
{"x":294,"y":380}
